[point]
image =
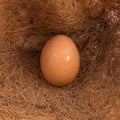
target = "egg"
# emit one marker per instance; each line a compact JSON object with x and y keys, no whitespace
{"x":60,"y":60}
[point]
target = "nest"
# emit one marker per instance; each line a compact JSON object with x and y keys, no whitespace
{"x":26,"y":25}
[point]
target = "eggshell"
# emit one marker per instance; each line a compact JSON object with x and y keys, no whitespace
{"x":60,"y":60}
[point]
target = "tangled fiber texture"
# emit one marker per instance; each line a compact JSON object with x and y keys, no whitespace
{"x":94,"y":26}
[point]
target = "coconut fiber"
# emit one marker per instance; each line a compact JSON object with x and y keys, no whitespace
{"x":94,"y":26}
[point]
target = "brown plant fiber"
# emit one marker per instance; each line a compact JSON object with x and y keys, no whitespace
{"x":94,"y":26}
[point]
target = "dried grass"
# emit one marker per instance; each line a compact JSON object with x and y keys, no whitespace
{"x":95,"y":29}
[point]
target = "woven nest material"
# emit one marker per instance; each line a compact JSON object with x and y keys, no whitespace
{"x":94,"y":26}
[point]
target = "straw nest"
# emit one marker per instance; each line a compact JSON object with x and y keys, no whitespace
{"x":94,"y":26}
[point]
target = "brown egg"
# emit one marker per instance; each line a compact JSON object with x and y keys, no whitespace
{"x":60,"y":60}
